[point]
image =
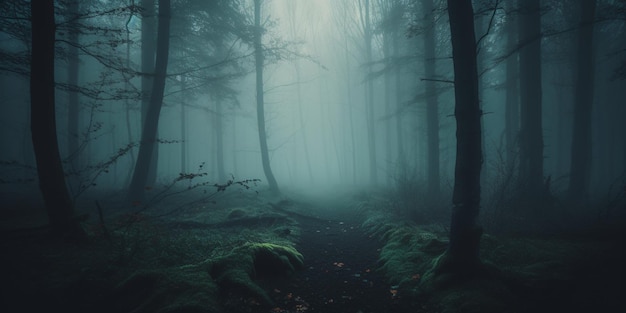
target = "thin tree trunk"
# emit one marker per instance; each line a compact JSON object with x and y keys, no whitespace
{"x":350,"y":113}
{"x":369,"y":96}
{"x":148,"y":48}
{"x":149,"y":133}
{"x":219,"y":140}
{"x":183,"y":128}
{"x":580,"y":171}
{"x":259,"y":59}
{"x":432,"y":105}
{"x":73,"y":108}
{"x":463,"y":251}
{"x":531,"y":138}
{"x":512,"y":91}
{"x":402,"y":163}
{"x":56,"y":197}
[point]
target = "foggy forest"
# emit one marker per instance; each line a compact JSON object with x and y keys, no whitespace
{"x":365,"y":156}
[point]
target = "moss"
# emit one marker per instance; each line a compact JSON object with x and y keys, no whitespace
{"x":236,"y":213}
{"x":180,"y":290}
{"x":235,"y":272}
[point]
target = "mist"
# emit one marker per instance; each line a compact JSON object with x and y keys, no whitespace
{"x":398,"y":145}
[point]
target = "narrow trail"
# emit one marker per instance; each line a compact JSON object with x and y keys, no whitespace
{"x":340,"y":272}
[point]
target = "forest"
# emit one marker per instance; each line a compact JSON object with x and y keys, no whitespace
{"x":283,"y":156}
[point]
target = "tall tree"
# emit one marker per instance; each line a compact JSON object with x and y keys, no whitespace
{"x":56,"y":196}
{"x":531,"y":134}
{"x":432,"y":105}
{"x":260,"y":109}
{"x":463,"y":252}
{"x":149,"y":133}
{"x":580,"y":171}
{"x":148,"y":48}
{"x":365,"y":15}
{"x":72,"y":80}
{"x":512,"y":87}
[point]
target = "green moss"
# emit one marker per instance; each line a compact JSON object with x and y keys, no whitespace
{"x":180,"y":290}
{"x":236,"y":271}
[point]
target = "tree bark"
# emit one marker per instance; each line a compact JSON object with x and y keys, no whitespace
{"x":52,"y":184}
{"x":531,"y":134}
{"x":72,"y":104}
{"x":512,"y":91}
{"x":148,"y":48}
{"x":369,"y":96}
{"x":219,"y":141}
{"x":463,"y":251}
{"x":432,"y":105}
{"x":149,"y":133}
{"x":260,"y":110}
{"x":580,"y":170}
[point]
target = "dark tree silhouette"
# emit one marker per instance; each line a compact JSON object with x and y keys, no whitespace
{"x":58,"y":203}
{"x":580,"y":171}
{"x":148,"y":48}
{"x":531,"y":134}
{"x":260,"y":110}
{"x":462,"y":255}
{"x":148,"y":135}
{"x":432,"y":105}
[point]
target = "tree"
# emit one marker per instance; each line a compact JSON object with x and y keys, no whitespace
{"x":364,"y":13}
{"x":512,"y":89}
{"x":52,"y":184}
{"x":260,"y":110}
{"x":148,"y":48}
{"x":580,"y":171}
{"x":462,"y":256}
{"x":72,"y":79}
{"x":531,"y":135}
{"x":432,"y":106}
{"x":149,"y":133}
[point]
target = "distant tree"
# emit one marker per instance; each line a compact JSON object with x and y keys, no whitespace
{"x":365,"y":15}
{"x":149,"y":133}
{"x":531,"y":134}
{"x":52,"y":183}
{"x":260,"y":106}
{"x":148,"y":48}
{"x":432,"y":105}
{"x":462,"y":256}
{"x":580,"y":171}
{"x":73,"y":108}
{"x":512,"y":86}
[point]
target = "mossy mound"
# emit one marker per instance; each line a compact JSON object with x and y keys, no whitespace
{"x":178,"y":290}
{"x":235,"y":272}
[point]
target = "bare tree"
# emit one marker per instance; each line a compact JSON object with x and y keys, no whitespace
{"x":52,"y":184}
{"x":149,"y":133}
{"x":260,"y":109}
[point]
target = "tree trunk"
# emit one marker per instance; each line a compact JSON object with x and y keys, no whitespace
{"x":148,"y":48}
{"x":56,"y":197}
{"x":432,"y":105}
{"x":531,"y":138}
{"x":402,"y":163}
{"x":183,"y":126}
{"x":219,"y":140}
{"x":463,"y":251}
{"x":512,"y":91}
{"x":369,"y":96}
{"x":149,"y":133}
{"x":580,"y":170}
{"x":72,"y":104}
{"x":260,"y":110}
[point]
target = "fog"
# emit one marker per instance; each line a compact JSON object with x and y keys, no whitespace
{"x":338,"y":155}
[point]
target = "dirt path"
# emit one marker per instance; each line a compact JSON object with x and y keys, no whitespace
{"x":340,"y":272}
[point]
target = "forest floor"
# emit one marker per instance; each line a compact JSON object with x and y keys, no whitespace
{"x":242,"y":251}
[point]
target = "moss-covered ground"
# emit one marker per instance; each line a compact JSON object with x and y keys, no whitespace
{"x":249,"y":252}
